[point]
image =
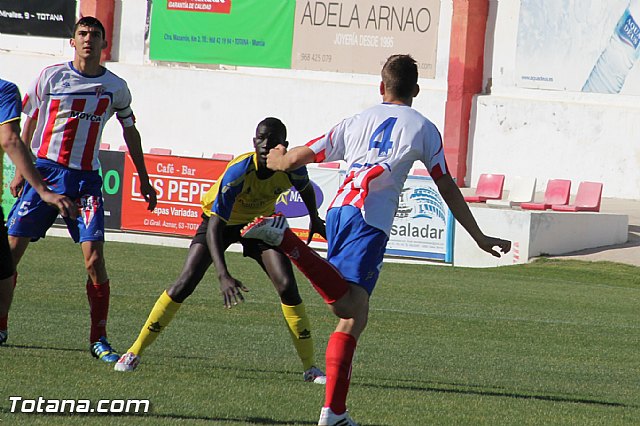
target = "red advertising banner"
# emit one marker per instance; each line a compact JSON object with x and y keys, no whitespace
{"x":179,"y":182}
{"x":215,"y":6}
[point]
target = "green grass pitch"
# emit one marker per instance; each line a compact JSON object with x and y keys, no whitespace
{"x":548,"y":343}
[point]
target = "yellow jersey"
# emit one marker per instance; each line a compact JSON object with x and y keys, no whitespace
{"x":239,"y":196}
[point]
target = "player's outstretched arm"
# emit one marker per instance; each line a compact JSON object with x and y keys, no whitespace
{"x":279,"y":159}
{"x":230,"y":288}
{"x":134,"y":143}
{"x":21,"y":157}
{"x":460,"y":209}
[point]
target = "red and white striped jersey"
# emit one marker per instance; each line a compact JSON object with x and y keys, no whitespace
{"x":379,"y":146}
{"x":72,"y":110}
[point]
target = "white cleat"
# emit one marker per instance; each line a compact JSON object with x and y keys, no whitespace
{"x":315,"y":375}
{"x":127,"y":362}
{"x":269,"y":229}
{"x":329,"y":418}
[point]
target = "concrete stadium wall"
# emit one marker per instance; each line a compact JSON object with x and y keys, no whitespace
{"x":549,"y":134}
{"x":199,"y":111}
{"x":537,"y":233}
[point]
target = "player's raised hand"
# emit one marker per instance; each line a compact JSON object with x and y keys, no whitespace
{"x":488,"y":244}
{"x":231,"y":291}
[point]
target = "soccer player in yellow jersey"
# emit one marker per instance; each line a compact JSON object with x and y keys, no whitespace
{"x":246,"y":189}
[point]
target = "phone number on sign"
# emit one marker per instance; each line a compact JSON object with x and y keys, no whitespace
{"x":314,"y":57}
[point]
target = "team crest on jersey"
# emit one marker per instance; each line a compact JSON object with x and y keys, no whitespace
{"x":99,"y":91}
{"x":89,"y":205}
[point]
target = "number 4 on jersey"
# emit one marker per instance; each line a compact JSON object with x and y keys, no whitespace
{"x":381,"y":138}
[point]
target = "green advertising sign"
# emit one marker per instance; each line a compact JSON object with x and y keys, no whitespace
{"x":232,"y":32}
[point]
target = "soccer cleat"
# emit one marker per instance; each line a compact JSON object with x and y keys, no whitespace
{"x":269,"y":229}
{"x":329,"y":418}
{"x":315,"y":375}
{"x":102,"y":350}
{"x":127,"y":362}
{"x":4,"y":335}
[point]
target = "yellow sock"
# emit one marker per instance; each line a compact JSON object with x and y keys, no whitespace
{"x":300,"y":331}
{"x":160,"y":317}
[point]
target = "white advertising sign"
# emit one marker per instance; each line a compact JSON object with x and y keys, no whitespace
{"x":423,"y":226}
{"x":579,"y":45}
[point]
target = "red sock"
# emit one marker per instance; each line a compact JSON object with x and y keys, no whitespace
{"x":339,"y":356}
{"x":4,"y":321}
{"x":98,"y":296}
{"x":323,"y":276}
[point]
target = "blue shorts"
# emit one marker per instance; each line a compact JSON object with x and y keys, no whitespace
{"x":355,"y":248}
{"x":31,"y":217}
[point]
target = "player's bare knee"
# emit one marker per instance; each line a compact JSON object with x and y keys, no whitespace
{"x":180,"y":290}
{"x":17,"y":245}
{"x":344,"y":310}
{"x":94,"y":264}
{"x":288,"y":291}
{"x":353,"y":305}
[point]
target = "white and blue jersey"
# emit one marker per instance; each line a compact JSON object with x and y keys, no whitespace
{"x":380,"y":146}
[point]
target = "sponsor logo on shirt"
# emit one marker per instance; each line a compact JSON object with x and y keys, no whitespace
{"x":81,"y":115}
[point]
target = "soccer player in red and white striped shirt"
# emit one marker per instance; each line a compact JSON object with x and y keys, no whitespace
{"x":67,"y":108}
{"x":379,"y":146}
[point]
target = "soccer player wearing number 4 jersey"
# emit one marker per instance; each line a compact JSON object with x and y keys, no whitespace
{"x":379,"y":146}
{"x":67,"y":108}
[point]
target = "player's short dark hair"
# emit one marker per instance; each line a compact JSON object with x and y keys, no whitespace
{"x":276,"y":125}
{"x":90,"y":22}
{"x":400,"y":75}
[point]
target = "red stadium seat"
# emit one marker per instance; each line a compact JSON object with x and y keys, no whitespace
{"x":123,"y":148}
{"x":105,"y":147}
{"x":330,"y":165}
{"x":221,"y":156}
{"x":588,"y":199}
{"x":489,"y":188}
{"x":420,"y":172}
{"x":556,"y":193}
{"x":160,"y":151}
